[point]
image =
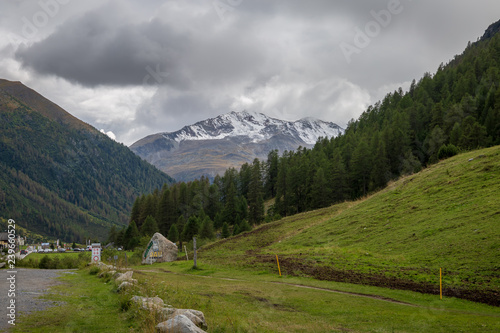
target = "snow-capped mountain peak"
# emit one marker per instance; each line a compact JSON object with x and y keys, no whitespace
{"x":211,"y":146}
{"x":256,"y":126}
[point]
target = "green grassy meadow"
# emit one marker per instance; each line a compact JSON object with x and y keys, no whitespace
{"x":446,"y":216}
{"x":365,"y":266}
{"x":239,"y":300}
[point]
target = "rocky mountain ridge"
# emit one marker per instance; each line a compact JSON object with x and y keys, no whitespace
{"x":256,"y":126}
{"x":209,"y":147}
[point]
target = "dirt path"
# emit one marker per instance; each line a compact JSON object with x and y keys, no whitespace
{"x":377,"y":297}
{"x":29,"y":284}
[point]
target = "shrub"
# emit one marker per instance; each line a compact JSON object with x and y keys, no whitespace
{"x":447,"y":151}
{"x":94,"y":270}
{"x":45,"y":262}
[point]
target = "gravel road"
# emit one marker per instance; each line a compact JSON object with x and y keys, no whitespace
{"x":29,"y":284}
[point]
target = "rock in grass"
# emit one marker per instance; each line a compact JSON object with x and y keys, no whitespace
{"x":149,"y":303}
{"x":165,"y":313}
{"x":180,"y":324}
{"x":104,"y":266}
{"x":125,"y":276}
{"x":124,"y":285}
{"x":197,"y":317}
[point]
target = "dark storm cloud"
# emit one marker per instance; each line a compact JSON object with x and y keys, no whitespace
{"x":185,"y":61}
{"x":259,"y":39}
{"x":104,"y":48}
{"x":99,"y":49}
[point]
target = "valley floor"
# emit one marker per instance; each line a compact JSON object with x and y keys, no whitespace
{"x":243,"y":300}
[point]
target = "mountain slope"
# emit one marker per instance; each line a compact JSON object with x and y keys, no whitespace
{"x":445,"y":216}
{"x":211,"y":146}
{"x":61,"y":177}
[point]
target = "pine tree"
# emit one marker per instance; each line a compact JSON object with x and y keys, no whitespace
{"x":191,"y":228}
{"x":474,"y":135}
{"x":218,"y":221}
{"x":207,"y":229}
{"x":320,"y":191}
{"x":173,"y":234}
{"x":213,"y":204}
{"x":120,"y":237}
{"x":181,"y":223}
{"x":245,"y":176}
{"x":244,"y":226}
{"x":174,"y":212}
{"x":281,"y":200}
{"x":255,"y":193}
{"x":434,"y":141}
{"x":112,"y":235}
{"x":361,"y":167}
{"x":230,"y":206}
{"x":131,"y":237}
{"x":148,"y":208}
{"x":164,"y":207}
{"x":136,"y":208}
{"x":236,"y":230}
{"x":338,"y":178}
{"x":271,"y":178}
{"x":456,"y":134}
{"x":150,"y":227}
{"x":225,"y":230}
{"x":380,"y":173}
{"x":241,"y":209}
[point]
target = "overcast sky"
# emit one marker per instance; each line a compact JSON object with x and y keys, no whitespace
{"x":138,"y":67}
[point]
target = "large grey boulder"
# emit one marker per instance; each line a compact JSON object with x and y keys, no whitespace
{"x":178,"y":324}
{"x":149,"y":303}
{"x":159,"y":249}
{"x":197,"y":317}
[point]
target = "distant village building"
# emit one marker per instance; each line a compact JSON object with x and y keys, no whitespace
{"x":4,"y":240}
{"x":45,"y":246}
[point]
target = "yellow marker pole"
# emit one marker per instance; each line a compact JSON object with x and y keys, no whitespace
{"x":279,"y":270}
{"x":440,"y":284}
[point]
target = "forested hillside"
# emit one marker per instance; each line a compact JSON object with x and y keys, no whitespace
{"x":445,"y":216}
{"x":455,"y":109}
{"x":458,"y":108}
{"x":61,"y":177}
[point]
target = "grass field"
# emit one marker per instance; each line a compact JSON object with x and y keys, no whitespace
{"x":445,"y":217}
{"x":365,"y":266}
{"x":236,"y":300}
{"x":60,"y":255}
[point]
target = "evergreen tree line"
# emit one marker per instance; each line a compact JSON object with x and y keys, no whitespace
{"x":456,"y":109}
{"x":230,"y":204}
